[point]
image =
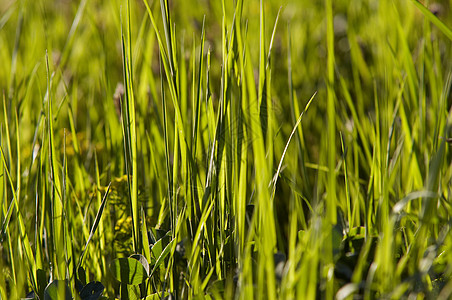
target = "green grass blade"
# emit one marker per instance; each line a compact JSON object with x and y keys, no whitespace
{"x":331,"y":188}
{"x":434,"y":19}
{"x":95,"y":224}
{"x":130,"y":129}
{"x":331,"y":112}
{"x":275,"y":178}
{"x":56,"y":196}
{"x":23,"y":234}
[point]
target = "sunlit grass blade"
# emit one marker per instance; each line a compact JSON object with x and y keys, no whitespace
{"x":331,"y":188}
{"x":6,"y":122}
{"x":275,"y":178}
{"x":331,"y":114}
{"x":23,"y":234}
{"x":95,"y":224}
{"x":56,"y":194}
{"x":197,"y":117}
{"x":167,"y":155}
{"x":130,"y":127}
{"x":347,"y":186}
{"x":434,"y":19}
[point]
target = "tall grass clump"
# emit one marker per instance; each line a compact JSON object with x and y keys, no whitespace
{"x":217,"y":149}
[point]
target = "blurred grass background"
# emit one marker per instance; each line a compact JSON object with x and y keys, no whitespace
{"x":362,"y":202}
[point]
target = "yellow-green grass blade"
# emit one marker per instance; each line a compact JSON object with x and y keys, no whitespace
{"x":278,"y":171}
{"x":331,"y":112}
{"x":6,"y":122}
{"x":434,"y":19}
{"x":95,"y":225}
{"x":56,"y":194}
{"x":130,"y":128}
{"x":331,"y":155}
{"x":29,"y":256}
{"x":295,"y":111}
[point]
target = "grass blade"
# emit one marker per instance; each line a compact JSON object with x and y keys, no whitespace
{"x":434,"y":19}
{"x":95,"y":224}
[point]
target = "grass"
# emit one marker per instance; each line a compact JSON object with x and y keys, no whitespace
{"x":260,"y":149}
